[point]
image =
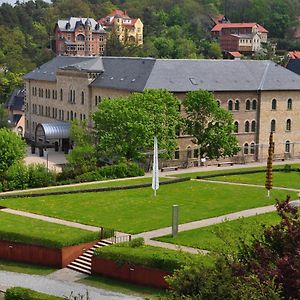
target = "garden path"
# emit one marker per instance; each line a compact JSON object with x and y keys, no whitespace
{"x":56,"y":287}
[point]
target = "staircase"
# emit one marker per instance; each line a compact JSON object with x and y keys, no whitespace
{"x":83,"y":263}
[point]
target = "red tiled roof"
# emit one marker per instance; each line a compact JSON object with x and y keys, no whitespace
{"x":220,"y":26}
{"x":235,"y":54}
{"x":294,"y":54}
{"x":217,"y":18}
{"x":118,"y":12}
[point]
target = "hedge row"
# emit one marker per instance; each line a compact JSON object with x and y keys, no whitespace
{"x":102,"y":189}
{"x":148,"y":256}
{"x":19,"y":293}
{"x":241,"y":172}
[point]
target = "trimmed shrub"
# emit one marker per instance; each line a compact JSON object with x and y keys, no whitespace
{"x":138,"y":242}
{"x":16,"y":177}
{"x":287,"y":168}
{"x":19,"y":293}
{"x":39,"y":176}
{"x":121,"y":170}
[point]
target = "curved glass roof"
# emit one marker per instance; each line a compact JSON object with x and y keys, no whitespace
{"x":49,"y":131}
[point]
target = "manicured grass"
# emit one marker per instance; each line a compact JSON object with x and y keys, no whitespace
{"x":137,"y":210}
{"x":92,"y":185}
{"x":125,"y":288}
{"x":225,"y":236}
{"x":24,"y":268}
{"x":148,"y":256}
{"x":280,"y":179}
{"x":36,"y":232}
{"x":229,"y":170}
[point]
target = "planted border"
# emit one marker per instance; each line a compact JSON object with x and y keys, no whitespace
{"x":93,"y":190}
{"x":245,"y":172}
{"x":17,"y":293}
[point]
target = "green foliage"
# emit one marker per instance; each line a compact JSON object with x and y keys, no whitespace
{"x":40,"y":176}
{"x":138,"y":242}
{"x":120,"y":170}
{"x":3,"y":116}
{"x":287,"y":168}
{"x":19,"y":293}
{"x":82,"y":158}
{"x":211,"y":126}
{"x":17,"y":177}
{"x":12,"y":149}
{"x":126,"y":126}
{"x":143,"y":255}
{"x":36,"y":232}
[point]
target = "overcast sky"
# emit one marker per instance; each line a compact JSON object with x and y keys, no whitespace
{"x":13,"y":1}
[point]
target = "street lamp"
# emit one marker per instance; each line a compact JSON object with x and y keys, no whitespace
{"x":47,"y":159}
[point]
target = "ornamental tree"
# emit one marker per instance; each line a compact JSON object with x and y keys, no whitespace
{"x":210,"y":125}
{"x":12,"y":149}
{"x":125,"y":126}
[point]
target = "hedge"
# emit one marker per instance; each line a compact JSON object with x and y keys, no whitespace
{"x":138,"y":254}
{"x":19,"y":293}
{"x":241,"y":172}
{"x":102,"y":189}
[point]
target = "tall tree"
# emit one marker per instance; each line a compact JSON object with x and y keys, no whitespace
{"x":210,"y":125}
{"x":125,"y":127}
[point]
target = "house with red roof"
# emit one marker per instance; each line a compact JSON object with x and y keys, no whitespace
{"x":128,"y":30}
{"x":241,"y":37}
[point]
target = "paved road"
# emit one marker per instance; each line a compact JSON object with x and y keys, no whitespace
{"x":56,"y":287}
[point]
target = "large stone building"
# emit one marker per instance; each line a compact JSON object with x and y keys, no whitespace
{"x":79,"y":36}
{"x":128,"y":30}
{"x":261,"y":96}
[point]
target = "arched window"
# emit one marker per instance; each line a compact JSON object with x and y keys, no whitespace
{"x":82,"y":97}
{"x":252,"y":148}
{"x":61,"y":94}
{"x":189,"y":152}
{"x":71,"y":115}
{"x":73,"y":96}
{"x":273,"y":125}
{"x":274,"y":104}
{"x":246,"y":148}
{"x":230,"y":105}
{"x":80,"y":37}
{"x":288,"y":125}
{"x":289,"y":104}
{"x":287,"y":146}
{"x":248,"y":103}
{"x":237,"y":105}
{"x":196,"y":153}
{"x":247,"y":126}
{"x":177,"y":154}
{"x":253,"y":126}
{"x":236,"y":126}
{"x":254,"y":104}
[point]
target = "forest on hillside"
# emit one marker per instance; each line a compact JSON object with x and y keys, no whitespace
{"x":172,"y":28}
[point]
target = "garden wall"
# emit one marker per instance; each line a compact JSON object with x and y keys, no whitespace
{"x":131,"y":273}
{"x":41,"y":255}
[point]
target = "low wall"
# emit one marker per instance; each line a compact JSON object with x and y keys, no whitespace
{"x":131,"y":273}
{"x":40,"y":255}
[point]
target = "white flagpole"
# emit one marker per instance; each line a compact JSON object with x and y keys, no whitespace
{"x":155,"y":174}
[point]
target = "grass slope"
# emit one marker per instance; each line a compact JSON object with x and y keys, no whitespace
{"x":36,"y":232}
{"x":137,"y":210}
{"x":224,"y":236}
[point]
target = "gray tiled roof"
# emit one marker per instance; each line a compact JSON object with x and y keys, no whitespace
{"x":48,"y":70}
{"x":16,"y":100}
{"x":294,"y":65}
{"x":125,"y":73}
{"x":176,"y":75}
{"x":74,"y":22}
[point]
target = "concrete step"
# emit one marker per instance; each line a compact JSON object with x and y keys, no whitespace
{"x":80,"y":265}
{"x":81,"y":270}
{"x":87,"y":255}
{"x":83,"y":261}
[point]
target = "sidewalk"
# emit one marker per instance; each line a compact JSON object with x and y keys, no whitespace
{"x":60,"y":288}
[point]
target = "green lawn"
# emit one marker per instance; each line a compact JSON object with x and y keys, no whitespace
{"x":280,"y":179}
{"x":229,"y":170}
{"x":224,"y":236}
{"x":137,"y":210}
{"x":25,"y":268}
{"x":36,"y":232}
{"x":93,"y":185}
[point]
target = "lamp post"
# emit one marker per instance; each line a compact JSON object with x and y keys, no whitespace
{"x":47,"y":158}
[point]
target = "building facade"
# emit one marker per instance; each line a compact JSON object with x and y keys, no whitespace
{"x":261,"y":96}
{"x":79,"y":37}
{"x":129,"y":30}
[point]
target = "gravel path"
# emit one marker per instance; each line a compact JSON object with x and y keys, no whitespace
{"x":56,"y":287}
